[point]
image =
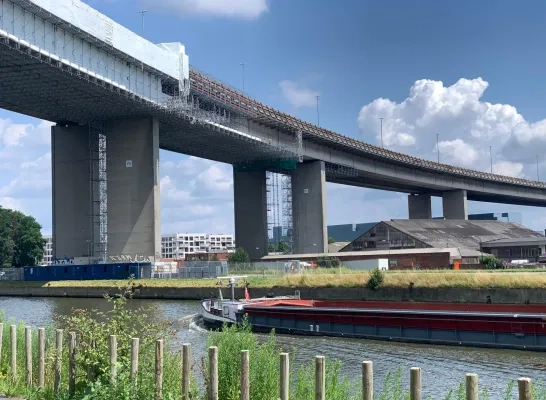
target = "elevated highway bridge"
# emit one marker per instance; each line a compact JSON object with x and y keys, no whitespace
{"x":117,"y":98}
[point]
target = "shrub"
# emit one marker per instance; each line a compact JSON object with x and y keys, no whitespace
{"x":328,"y":262}
{"x":376,"y":279}
{"x":491,"y":262}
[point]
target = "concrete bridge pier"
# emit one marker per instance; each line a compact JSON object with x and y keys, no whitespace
{"x":309,"y":208}
{"x":126,"y":166}
{"x":454,"y":204}
{"x":250,"y":208}
{"x":419,"y":206}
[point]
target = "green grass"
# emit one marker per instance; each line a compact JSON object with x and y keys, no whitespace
{"x":334,"y":277}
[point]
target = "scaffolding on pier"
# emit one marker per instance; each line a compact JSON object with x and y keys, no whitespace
{"x":287,"y":211}
{"x":98,"y":201}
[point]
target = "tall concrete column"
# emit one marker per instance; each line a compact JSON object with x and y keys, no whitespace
{"x":454,"y":204}
{"x":250,"y":206}
{"x":419,"y":206}
{"x":71,"y":191}
{"x":134,"y":216}
{"x":309,"y":208}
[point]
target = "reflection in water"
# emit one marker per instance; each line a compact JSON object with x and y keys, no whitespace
{"x":443,"y":367}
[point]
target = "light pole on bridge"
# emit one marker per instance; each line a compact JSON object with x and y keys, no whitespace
{"x":538,"y":176}
{"x":491,"y":158}
{"x":318,"y":115}
{"x":381,"y":130}
{"x":438,"y":146}
{"x":142,"y":21}
{"x":243,"y":73}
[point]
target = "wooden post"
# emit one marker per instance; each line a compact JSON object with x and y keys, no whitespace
{"x":367,"y":380}
{"x":113,"y":358}
{"x":524,"y":389}
{"x":135,"y":344}
{"x":186,"y":370}
{"x":285,"y":377}
{"x":28,"y":354}
{"x":415,"y":383}
{"x":320,"y":378}
{"x":13,"y":337}
{"x":41,"y":358}
{"x":1,"y":340}
{"x":58,"y":360}
{"x":159,"y":369}
{"x":72,"y":363}
{"x":471,"y":387}
{"x":213,"y":373}
{"x":91,"y":368}
{"x":245,"y":375}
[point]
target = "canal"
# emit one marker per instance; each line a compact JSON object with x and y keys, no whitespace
{"x":443,"y":367}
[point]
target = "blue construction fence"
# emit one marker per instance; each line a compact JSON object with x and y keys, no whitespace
{"x":88,"y":272}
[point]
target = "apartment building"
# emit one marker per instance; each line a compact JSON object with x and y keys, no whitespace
{"x":177,"y":245}
{"x":48,"y":250}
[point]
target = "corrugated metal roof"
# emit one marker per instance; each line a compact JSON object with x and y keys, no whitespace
{"x":460,"y":233}
{"x":337,"y":246}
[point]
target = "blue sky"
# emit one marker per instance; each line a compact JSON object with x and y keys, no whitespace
{"x":471,"y":71}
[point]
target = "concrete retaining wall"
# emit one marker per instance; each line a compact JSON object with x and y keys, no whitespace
{"x":507,"y":296}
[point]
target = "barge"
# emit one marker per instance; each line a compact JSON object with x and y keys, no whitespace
{"x":478,"y":325}
{"x":509,"y":326}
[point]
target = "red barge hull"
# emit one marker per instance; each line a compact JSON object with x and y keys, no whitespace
{"x":481,"y":325}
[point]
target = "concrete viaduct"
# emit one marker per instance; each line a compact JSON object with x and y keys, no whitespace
{"x":117,"y":98}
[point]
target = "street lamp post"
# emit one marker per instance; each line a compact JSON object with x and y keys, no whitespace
{"x":491,"y":158}
{"x":142,"y":21}
{"x":438,"y":146}
{"x":538,"y":176}
{"x":318,"y":115}
{"x":243,"y":73}
{"x":381,"y":130}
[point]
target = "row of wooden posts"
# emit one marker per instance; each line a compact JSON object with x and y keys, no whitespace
{"x":524,"y":384}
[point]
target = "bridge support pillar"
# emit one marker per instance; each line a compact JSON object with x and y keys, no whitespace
{"x":419,"y":206}
{"x":454,"y":204}
{"x":71,"y":191}
{"x":134,"y":214}
{"x":309,"y":208}
{"x":108,"y":190}
{"x":250,"y":207}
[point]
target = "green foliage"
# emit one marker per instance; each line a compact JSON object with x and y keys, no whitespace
{"x":240,"y":256}
{"x":283,"y":247}
{"x":214,"y":257}
{"x":331,"y":240}
{"x":21,"y":242}
{"x":271,"y":248}
{"x":491,"y":262}
{"x":376,"y":279}
{"x":328,"y":262}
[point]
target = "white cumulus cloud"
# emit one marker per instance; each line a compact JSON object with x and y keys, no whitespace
{"x":465,"y":124}
{"x":240,"y":9}
{"x":297,"y":95}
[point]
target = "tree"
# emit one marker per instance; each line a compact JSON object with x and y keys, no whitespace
{"x":271,"y":248}
{"x":21,"y":242}
{"x":331,"y":240}
{"x":240,"y":256}
{"x":214,"y":257}
{"x":282,"y":247}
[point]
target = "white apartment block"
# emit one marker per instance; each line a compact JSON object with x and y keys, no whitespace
{"x":48,"y":250}
{"x":177,"y":245}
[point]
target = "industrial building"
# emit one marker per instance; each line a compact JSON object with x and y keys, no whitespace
{"x":437,"y":243}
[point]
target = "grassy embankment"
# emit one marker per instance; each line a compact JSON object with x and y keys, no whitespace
{"x":524,"y":279}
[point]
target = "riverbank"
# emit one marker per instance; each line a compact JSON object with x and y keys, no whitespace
{"x":436,"y":286}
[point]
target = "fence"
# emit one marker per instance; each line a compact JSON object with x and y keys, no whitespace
{"x":12,"y":274}
{"x":471,"y":381}
{"x":215,"y":269}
